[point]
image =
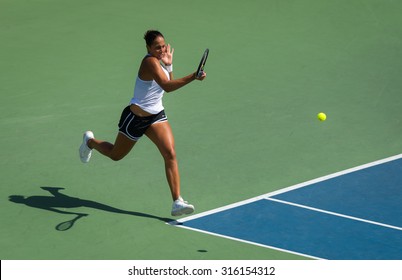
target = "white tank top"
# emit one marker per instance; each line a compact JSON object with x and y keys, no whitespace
{"x":148,"y":95}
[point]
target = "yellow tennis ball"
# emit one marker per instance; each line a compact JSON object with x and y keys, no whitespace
{"x":322,"y":117}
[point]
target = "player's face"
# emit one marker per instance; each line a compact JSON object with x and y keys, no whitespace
{"x":158,"y":47}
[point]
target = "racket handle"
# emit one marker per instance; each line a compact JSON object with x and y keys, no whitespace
{"x":200,"y":74}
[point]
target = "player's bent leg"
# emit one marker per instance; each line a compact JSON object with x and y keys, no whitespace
{"x":116,"y":151}
{"x":122,"y":146}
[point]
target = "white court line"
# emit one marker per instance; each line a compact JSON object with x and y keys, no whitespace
{"x":250,"y":242}
{"x":334,"y":213}
{"x":294,"y":187}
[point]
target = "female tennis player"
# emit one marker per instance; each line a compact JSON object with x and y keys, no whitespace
{"x":145,"y":115}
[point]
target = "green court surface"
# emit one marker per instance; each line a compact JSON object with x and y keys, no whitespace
{"x":250,"y":128}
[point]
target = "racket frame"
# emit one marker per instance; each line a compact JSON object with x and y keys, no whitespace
{"x":201,"y":66}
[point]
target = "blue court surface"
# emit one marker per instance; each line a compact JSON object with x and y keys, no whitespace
{"x":355,"y":214}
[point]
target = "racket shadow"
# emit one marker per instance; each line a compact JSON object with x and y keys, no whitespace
{"x":60,"y":200}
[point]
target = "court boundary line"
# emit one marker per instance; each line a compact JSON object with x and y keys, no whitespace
{"x":249,"y":242}
{"x":286,"y":189}
{"x":333,"y":213}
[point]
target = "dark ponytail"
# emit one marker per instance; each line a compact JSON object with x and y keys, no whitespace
{"x":151,"y":35}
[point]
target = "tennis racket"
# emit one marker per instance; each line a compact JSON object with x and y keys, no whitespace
{"x":201,"y":66}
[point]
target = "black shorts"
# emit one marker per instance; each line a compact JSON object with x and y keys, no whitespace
{"x":134,"y":126}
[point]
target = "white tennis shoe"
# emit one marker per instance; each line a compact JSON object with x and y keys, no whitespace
{"x":181,"y":207}
{"x":85,"y":151}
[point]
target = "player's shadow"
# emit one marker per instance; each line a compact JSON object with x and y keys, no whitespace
{"x":60,"y":200}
